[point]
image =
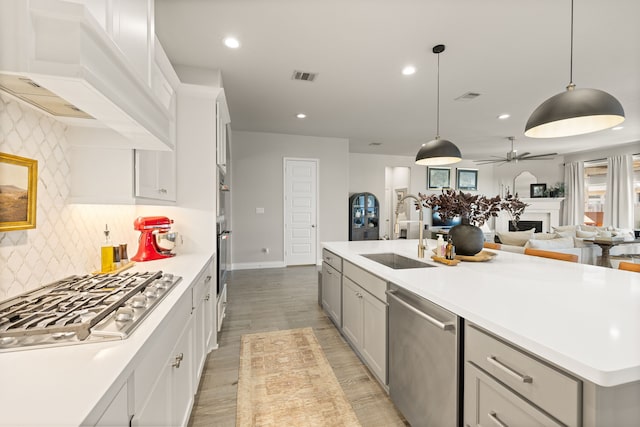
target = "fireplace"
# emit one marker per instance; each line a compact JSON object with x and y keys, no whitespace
{"x":526,"y":225}
{"x":543,"y":212}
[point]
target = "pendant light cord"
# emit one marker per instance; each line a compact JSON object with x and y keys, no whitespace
{"x":438,"y":101}
{"x":571,"y":52}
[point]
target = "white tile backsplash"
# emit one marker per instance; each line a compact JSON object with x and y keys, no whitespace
{"x":67,"y":237}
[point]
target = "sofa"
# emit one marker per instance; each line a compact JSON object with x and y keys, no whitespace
{"x":569,"y":239}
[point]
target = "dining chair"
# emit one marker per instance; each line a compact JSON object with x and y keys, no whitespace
{"x":629,"y":266}
{"x":490,"y":245}
{"x":551,"y":254}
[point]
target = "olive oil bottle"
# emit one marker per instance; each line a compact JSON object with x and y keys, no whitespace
{"x":106,"y":253}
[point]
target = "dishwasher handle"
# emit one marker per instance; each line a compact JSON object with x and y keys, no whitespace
{"x":445,"y":326}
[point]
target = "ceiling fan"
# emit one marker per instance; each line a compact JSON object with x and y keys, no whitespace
{"x":513,"y":156}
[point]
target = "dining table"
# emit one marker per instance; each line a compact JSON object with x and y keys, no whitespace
{"x":606,"y":245}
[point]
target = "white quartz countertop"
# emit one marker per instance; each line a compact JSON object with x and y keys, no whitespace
{"x":60,"y":386}
{"x":582,"y":318}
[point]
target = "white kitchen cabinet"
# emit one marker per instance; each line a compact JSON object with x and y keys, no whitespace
{"x":364,"y":324}
{"x":171,"y":398}
{"x":221,"y":307}
{"x":222,"y":120}
{"x":210,"y":307}
{"x":182,"y":380}
{"x":331,"y":294}
{"x":155,"y":175}
{"x":203,"y":319}
{"x":156,"y":171}
{"x":374,"y":335}
{"x":133,"y":32}
{"x":117,"y":413}
{"x":164,"y":376}
{"x":352,"y":312}
{"x":129,"y":23}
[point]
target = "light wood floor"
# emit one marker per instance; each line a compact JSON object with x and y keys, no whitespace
{"x":274,"y":299}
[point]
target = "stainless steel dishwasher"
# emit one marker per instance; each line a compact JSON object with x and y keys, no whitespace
{"x":424,"y":360}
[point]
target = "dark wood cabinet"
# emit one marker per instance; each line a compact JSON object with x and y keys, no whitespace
{"x":364,"y":217}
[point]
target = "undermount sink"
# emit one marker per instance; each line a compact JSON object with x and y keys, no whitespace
{"x":396,"y":261}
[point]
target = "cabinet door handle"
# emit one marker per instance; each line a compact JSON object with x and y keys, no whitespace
{"x":329,"y":272}
{"x":162,"y":190}
{"x":177,"y":361}
{"x":494,"y":417}
{"x":207,"y":297}
{"x":522,"y":378}
{"x":207,"y":279}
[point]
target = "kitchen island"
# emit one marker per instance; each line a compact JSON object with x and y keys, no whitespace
{"x":582,"y":319}
{"x":87,"y":383}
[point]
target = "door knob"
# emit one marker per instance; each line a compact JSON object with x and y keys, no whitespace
{"x":313,"y":226}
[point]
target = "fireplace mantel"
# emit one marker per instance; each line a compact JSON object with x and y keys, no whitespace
{"x":545,"y":209}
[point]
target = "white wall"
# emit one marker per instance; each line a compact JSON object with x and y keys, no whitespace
{"x":548,"y":172}
{"x":603,"y":153}
{"x":257,"y":181}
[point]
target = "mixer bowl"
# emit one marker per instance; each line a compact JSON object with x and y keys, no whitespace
{"x":168,"y":241}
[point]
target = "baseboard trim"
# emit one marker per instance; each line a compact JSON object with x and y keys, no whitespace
{"x":254,"y":265}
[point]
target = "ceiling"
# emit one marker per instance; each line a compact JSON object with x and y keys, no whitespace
{"x":515,"y":54}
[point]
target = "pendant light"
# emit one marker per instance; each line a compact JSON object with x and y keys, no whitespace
{"x":574,"y":112}
{"x":438,"y":151}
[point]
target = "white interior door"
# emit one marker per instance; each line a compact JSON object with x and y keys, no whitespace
{"x":300,"y":228}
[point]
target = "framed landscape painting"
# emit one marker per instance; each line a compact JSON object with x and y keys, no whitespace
{"x":467,"y":179}
{"x":18,"y":185}
{"x":438,"y":178}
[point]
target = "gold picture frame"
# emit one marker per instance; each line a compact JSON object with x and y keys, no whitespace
{"x":18,"y":192}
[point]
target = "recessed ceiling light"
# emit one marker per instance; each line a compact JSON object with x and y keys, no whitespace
{"x":408,"y":70}
{"x":617,"y":128}
{"x":231,"y":42}
{"x":504,"y":116}
{"x":301,"y":115}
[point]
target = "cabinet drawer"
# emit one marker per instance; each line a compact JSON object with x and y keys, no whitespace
{"x":488,"y":403}
{"x":332,"y":259}
{"x":372,"y":284}
{"x":547,"y":387}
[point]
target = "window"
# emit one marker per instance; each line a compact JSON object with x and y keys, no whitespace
{"x":595,"y":188}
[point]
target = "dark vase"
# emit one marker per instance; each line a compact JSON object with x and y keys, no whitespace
{"x":467,"y":239}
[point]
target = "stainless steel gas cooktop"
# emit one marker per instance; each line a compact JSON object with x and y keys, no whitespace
{"x":81,"y":309}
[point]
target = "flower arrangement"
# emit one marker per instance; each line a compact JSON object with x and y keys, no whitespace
{"x":514,"y":207}
{"x":557,"y":190}
{"x":474,"y":209}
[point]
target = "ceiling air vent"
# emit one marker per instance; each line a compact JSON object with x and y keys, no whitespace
{"x":468,"y":96}
{"x":304,"y":76}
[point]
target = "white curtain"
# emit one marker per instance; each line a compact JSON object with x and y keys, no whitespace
{"x":573,"y":193}
{"x":618,"y":206}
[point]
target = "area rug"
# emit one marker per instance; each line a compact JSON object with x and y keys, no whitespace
{"x":286,"y":380}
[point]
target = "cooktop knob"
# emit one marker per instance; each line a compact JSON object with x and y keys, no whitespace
{"x":124,"y":314}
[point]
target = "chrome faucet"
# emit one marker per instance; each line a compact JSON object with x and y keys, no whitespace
{"x":396,"y":227}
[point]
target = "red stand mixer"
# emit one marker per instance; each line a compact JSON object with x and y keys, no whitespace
{"x":150,"y":227}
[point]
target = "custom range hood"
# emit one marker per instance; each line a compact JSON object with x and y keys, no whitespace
{"x":57,"y":56}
